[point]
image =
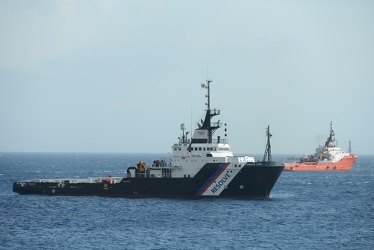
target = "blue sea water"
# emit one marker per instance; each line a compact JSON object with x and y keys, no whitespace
{"x":306,"y":210}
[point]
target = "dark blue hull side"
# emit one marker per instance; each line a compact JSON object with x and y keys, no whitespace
{"x":253,"y":181}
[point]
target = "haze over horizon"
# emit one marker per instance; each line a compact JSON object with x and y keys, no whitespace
{"x":121,"y":76}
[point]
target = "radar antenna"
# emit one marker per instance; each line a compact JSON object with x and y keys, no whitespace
{"x":183,"y":128}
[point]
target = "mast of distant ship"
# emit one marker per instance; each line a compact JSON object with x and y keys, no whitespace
{"x":267,"y":153}
{"x":331,"y":139}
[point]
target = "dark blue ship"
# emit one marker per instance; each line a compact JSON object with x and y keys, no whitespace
{"x":200,"y":166}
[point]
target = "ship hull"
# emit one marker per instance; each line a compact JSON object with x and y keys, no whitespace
{"x":252,"y":181}
{"x":343,"y":165}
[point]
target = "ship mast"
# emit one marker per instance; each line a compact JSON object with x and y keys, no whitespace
{"x":350,"y":148}
{"x":267,"y":153}
{"x":208,"y":81}
{"x":209,"y":114}
{"x":331,"y":139}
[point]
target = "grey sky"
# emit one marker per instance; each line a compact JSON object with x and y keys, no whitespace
{"x":121,"y":76}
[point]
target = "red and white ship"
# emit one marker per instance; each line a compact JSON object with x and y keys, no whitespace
{"x":326,"y":158}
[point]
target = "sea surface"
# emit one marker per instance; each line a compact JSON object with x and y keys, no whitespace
{"x":306,"y":210}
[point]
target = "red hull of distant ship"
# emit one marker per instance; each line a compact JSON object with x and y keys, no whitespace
{"x":344,"y":164}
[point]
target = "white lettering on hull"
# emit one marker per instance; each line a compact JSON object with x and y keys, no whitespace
{"x":221,"y":182}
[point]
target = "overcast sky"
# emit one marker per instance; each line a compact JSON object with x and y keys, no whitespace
{"x":121,"y":76}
